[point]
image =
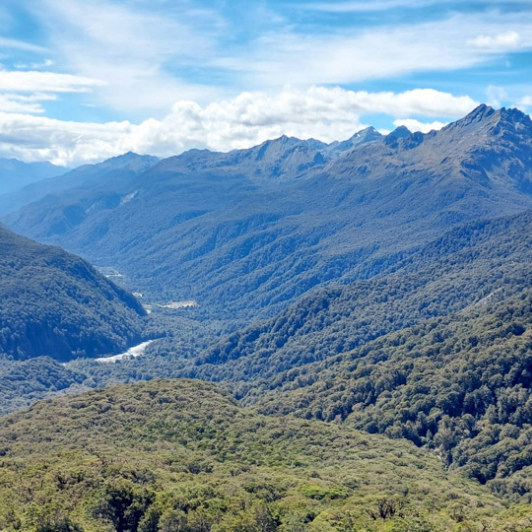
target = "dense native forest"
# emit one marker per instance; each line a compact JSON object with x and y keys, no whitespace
{"x":182,"y":456}
{"x":363,"y":308}
{"x":53,"y":302}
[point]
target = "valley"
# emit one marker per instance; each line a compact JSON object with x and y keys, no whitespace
{"x":296,"y":336}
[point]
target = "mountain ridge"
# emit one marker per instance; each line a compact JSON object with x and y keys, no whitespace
{"x":256,"y":241}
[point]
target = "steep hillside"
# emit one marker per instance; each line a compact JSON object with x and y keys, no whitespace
{"x":246,"y":233}
{"x":55,"y":304}
{"x":24,"y":382}
{"x":460,"y":385}
{"x":183,"y":456}
{"x":445,"y":276}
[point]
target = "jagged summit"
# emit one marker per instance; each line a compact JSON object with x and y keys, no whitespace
{"x":484,"y":119}
{"x":393,"y":138}
{"x":400,"y":132}
{"x":479,"y":113}
{"x":131,"y":160}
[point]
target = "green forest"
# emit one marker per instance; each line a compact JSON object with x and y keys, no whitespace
{"x":334,"y":338}
{"x":183,"y":456}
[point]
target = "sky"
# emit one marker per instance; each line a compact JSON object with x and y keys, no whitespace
{"x":85,"y":80}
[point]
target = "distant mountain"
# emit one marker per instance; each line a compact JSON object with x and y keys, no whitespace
{"x":88,"y":177}
{"x":55,"y":304}
{"x":247,"y":232}
{"x":182,"y":455}
{"x":15,"y":174}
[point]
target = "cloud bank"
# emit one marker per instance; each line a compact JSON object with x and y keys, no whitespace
{"x":323,"y":113}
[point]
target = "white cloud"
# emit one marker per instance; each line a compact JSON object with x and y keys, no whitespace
{"x":21,"y":45}
{"x":354,"y":54}
{"x":33,"y":81}
{"x":319,"y":112}
{"x":17,"y":103}
{"x":415,"y":125}
{"x":150,"y":57}
{"x":365,"y":6}
{"x":525,"y":102}
{"x":37,"y":87}
{"x":144,"y":54}
{"x":47,"y":63}
{"x":501,"y":41}
{"x":496,"y":95}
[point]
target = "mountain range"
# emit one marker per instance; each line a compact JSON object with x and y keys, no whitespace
{"x":248,"y":232}
{"x":17,"y":174}
{"x":374,"y":288}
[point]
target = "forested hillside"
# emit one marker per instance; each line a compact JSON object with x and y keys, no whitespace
{"x":182,"y":455}
{"x":379,"y":285}
{"x":458,"y":270}
{"x":460,"y":385}
{"x":55,"y":304}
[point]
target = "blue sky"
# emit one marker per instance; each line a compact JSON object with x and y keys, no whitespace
{"x":82,"y":80}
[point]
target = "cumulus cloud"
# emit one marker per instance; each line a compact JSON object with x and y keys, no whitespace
{"x":415,"y":125}
{"x":319,"y":112}
{"x":501,"y":41}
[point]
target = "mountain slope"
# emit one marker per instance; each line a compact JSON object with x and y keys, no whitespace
{"x":55,"y":304}
{"x":460,"y":385}
{"x":183,"y":456}
{"x":24,"y":382}
{"x":246,"y":233}
{"x":447,"y":275}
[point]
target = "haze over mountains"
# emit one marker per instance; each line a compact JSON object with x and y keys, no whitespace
{"x":381,"y":283}
{"x":16,"y":174}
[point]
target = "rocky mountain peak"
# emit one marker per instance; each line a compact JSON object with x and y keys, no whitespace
{"x":486,"y":121}
{"x":396,"y":135}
